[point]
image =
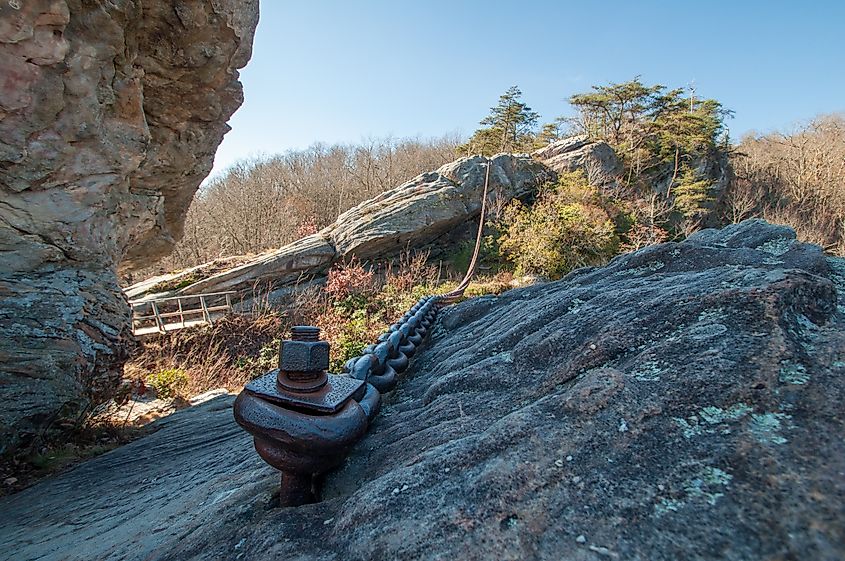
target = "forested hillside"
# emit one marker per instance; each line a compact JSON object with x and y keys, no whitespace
{"x":796,"y":177}
{"x":680,"y":171}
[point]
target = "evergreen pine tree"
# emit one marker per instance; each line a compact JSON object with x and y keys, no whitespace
{"x":508,"y":128}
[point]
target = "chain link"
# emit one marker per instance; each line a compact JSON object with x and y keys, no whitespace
{"x":382,"y":362}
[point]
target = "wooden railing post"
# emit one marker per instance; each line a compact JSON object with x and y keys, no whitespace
{"x":181,"y":313}
{"x":158,"y":319}
{"x":205,"y":313}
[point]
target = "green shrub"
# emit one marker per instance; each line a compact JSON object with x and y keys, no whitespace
{"x":392,"y":301}
{"x":168,"y":383}
{"x":489,"y":254}
{"x":267,"y":359}
{"x":566,"y":227}
{"x":693,"y":197}
{"x":350,"y":335}
{"x":348,"y":305}
{"x":461,"y":255}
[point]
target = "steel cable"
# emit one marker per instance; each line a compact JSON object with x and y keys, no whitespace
{"x":381,"y":362}
{"x":459,"y":291}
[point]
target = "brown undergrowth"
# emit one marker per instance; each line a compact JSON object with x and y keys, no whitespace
{"x":226,"y":354}
{"x":354,"y":306}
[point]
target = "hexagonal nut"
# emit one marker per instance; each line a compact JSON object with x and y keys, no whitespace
{"x":304,"y":356}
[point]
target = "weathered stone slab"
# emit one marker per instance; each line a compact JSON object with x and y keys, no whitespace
{"x":596,"y":159}
{"x":307,"y":256}
{"x":430,"y":205}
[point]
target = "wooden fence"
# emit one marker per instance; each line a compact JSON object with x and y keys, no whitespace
{"x":162,"y":315}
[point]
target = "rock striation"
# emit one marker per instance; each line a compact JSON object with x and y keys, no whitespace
{"x":431,"y":205}
{"x":415,"y":214}
{"x":596,"y":159}
{"x":683,"y":402}
{"x":110,"y":114}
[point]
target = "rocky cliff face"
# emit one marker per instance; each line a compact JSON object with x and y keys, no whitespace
{"x":596,"y":159}
{"x":110,"y":114}
{"x":683,"y":402}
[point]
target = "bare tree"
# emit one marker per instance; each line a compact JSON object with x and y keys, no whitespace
{"x":795,"y":178}
{"x":262,"y":204}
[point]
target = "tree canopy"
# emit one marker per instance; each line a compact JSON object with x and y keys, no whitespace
{"x":510,"y":127}
{"x":650,"y":126}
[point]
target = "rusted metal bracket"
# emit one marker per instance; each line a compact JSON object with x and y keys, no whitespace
{"x":304,"y":420}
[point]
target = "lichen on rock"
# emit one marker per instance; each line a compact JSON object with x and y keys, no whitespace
{"x":521,"y":431}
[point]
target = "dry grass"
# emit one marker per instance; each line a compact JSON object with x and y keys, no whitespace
{"x":226,"y":354}
{"x":355,"y":305}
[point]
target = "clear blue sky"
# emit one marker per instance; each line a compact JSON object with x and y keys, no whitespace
{"x":340,"y":71}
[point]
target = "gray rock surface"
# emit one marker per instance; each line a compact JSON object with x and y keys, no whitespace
{"x":595,"y":158}
{"x":683,"y":402}
{"x":430,"y":205}
{"x":285,"y":266}
{"x":411,"y":215}
{"x":110,"y":114}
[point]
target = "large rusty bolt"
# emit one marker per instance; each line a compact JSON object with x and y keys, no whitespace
{"x":303,"y":360}
{"x":302,"y":419}
{"x":304,"y":352}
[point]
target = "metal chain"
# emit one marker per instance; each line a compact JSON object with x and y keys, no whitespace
{"x":303,"y":420}
{"x":382,"y":362}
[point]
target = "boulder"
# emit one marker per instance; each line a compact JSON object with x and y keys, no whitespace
{"x":683,"y":402}
{"x":415,"y":214}
{"x":595,"y":158}
{"x":308,"y":256}
{"x":430,"y":205}
{"x":110,"y":114}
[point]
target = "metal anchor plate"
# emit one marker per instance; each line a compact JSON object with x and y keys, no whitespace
{"x":329,"y":399}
